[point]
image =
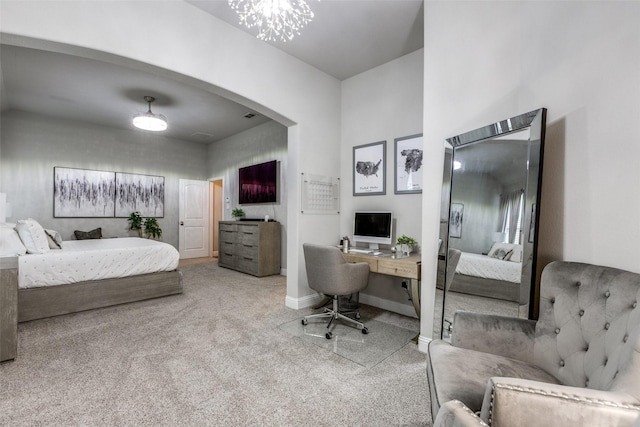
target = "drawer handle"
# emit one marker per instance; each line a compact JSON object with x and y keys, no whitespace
{"x":248,"y":259}
{"x":248,"y":246}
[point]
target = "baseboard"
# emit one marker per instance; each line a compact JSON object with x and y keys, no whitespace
{"x":283,"y":271}
{"x":423,"y":343}
{"x":385,"y":304}
{"x":304,"y":302}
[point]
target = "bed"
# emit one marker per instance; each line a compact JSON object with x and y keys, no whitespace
{"x":80,"y":275}
{"x":495,"y":275}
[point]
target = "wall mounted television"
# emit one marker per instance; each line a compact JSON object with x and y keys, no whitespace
{"x":258,"y":183}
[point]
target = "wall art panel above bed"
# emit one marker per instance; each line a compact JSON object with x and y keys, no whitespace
{"x":141,"y":193}
{"x":82,"y":193}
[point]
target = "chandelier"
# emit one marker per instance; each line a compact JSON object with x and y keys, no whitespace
{"x":275,"y":19}
{"x":149,"y":120}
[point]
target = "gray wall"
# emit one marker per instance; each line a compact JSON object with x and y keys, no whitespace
{"x":32,"y":145}
{"x":383,"y":103}
{"x":259,"y":144}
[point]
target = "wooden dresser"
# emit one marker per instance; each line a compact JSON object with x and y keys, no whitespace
{"x":252,"y":247}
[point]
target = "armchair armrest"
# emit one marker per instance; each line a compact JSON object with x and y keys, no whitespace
{"x":518,"y":402}
{"x":456,"y":414}
{"x":504,"y":336}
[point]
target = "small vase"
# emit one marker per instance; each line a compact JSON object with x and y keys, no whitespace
{"x":406,"y":249}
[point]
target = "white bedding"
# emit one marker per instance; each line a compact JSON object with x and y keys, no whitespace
{"x":95,"y":259}
{"x":489,"y":268}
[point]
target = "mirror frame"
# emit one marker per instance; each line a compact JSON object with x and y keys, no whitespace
{"x":535,"y":121}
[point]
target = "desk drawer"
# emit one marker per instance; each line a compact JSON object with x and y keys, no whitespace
{"x":400,"y":270}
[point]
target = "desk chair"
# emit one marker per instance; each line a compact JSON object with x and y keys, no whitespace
{"x":330,"y":274}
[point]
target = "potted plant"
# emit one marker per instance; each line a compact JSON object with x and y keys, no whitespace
{"x":406,"y":244}
{"x":152,"y":228}
{"x":135,"y":222}
{"x":237,"y":213}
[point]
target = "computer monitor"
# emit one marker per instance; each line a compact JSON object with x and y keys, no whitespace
{"x":373,"y":228}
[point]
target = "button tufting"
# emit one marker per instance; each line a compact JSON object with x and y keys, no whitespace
{"x":607,"y":294}
{"x":562,"y":363}
{"x":606,"y":326}
{"x":635,"y":304}
{"x":581,"y":312}
{"x":605,"y":361}
{"x":578,"y":283}
{"x":553,"y":300}
{"x":557,"y":330}
{"x":626,"y":338}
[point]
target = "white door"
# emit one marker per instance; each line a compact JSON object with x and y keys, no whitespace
{"x":193,"y":237}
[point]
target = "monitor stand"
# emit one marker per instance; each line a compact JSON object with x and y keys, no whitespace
{"x":374,"y":247}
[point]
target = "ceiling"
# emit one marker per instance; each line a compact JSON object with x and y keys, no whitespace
{"x":345,"y":38}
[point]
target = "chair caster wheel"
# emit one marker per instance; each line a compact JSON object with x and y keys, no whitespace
{"x":365,"y":331}
{"x":328,"y":335}
{"x":305,"y":322}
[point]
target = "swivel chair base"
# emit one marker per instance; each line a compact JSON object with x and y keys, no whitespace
{"x":334,"y":314}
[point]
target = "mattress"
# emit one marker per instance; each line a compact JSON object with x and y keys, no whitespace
{"x":95,"y":259}
{"x":489,"y":268}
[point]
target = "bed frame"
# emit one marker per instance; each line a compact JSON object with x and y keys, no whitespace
{"x":38,"y":303}
{"x":22,"y":305}
{"x":491,"y":288}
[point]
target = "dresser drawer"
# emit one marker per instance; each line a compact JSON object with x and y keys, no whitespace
{"x":226,"y":259}
{"x":248,"y":265}
{"x":225,"y":246}
{"x":227,"y":236}
{"x":248,"y":235}
{"x":249,"y":251}
{"x":228,"y":227}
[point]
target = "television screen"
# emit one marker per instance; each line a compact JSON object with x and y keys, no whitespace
{"x":372,"y":227}
{"x":258,"y":183}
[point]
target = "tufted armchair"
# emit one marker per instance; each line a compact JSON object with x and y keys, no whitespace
{"x":578,"y":365}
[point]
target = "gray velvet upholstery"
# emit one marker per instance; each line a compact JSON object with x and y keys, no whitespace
{"x":579,"y":364}
{"x":330,"y":274}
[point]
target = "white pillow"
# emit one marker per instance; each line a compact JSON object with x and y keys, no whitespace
{"x":10,"y":243}
{"x":516,"y":255}
{"x":33,"y":236}
{"x":54,"y":239}
{"x":506,"y":252}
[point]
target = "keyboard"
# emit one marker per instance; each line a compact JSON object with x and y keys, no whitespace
{"x":361,"y":251}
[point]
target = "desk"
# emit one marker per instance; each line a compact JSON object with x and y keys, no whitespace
{"x":407,"y":267}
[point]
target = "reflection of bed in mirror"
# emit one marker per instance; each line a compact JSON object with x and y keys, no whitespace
{"x":495,"y":275}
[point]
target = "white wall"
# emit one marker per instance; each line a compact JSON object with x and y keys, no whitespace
{"x":259,"y":144}
{"x":486,"y":61}
{"x":384,"y":103}
{"x":206,"y":52}
{"x":33,"y":145}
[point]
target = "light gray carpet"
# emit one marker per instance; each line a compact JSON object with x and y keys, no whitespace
{"x":214,"y":355}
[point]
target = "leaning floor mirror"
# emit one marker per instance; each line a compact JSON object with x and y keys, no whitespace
{"x":488,"y":230}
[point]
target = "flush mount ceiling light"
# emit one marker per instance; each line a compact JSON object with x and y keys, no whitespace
{"x":149,"y":120}
{"x":275,"y":19}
